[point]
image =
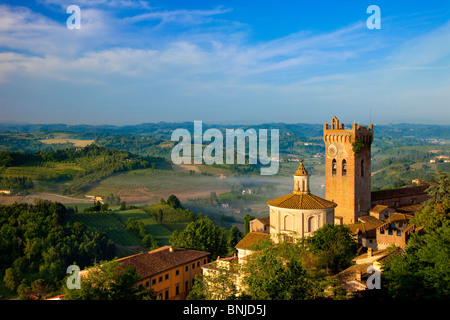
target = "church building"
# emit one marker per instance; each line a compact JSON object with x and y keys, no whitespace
{"x":300,"y":213}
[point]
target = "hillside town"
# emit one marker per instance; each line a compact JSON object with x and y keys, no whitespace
{"x":378,"y":221}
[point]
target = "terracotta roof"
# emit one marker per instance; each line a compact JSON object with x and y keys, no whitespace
{"x":398,"y":217}
{"x":301,"y":171}
{"x":299,"y":200}
{"x":411,"y":209}
{"x":251,"y":239}
{"x":378,"y":208}
{"x":400,"y":192}
{"x":265,"y":220}
{"x":367,"y":226}
{"x":161,"y":259}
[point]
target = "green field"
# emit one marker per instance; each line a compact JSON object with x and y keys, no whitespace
{"x":114,"y":223}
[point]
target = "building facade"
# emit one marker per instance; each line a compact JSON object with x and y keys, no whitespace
{"x":169,"y":271}
{"x":348,"y":169}
{"x":300,"y":213}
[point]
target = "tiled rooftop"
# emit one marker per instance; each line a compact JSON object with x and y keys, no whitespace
{"x":300,"y":200}
{"x":161,"y":259}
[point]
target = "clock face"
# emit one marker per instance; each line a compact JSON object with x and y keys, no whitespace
{"x":332,"y":150}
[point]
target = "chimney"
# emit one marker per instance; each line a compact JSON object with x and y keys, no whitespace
{"x":369,"y":252}
{"x":358,"y":275}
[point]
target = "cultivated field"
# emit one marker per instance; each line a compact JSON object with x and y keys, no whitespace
{"x":75,"y":142}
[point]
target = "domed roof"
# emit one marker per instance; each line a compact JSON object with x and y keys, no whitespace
{"x":301,"y":200}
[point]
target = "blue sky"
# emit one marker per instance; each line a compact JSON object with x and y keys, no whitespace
{"x":224,"y":62}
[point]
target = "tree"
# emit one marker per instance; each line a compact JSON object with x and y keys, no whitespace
{"x":123,"y":205}
{"x":160,"y":215}
{"x":247,"y":219}
{"x":439,"y":191}
{"x":422,"y":271}
{"x":173,"y":201}
{"x":203,"y":235}
{"x":41,"y":288}
{"x":12,"y":278}
{"x":219,"y":284}
{"x":110,"y":281}
{"x":333,"y":246}
{"x":233,"y":239}
{"x":274,"y":274}
{"x":433,"y":216}
{"x":149,"y":242}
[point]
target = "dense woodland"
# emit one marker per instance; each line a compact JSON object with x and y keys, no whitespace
{"x":36,"y":246}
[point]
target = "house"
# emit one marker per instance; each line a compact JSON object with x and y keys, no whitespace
{"x":245,"y":247}
{"x":354,"y":279}
{"x":168,"y":270}
{"x":381,"y":212}
{"x":395,"y":231}
{"x":364,"y":231}
{"x":260,"y":225}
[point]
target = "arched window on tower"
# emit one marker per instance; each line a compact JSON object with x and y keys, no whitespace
{"x":333,"y":167}
{"x":344,"y":167}
{"x":362,"y":168}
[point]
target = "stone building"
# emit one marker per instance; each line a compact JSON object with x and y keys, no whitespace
{"x":348,"y":169}
{"x":300,"y":213}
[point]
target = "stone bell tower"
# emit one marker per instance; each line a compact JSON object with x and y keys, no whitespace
{"x":348,"y":169}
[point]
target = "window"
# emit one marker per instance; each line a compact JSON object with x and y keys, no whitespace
{"x":204,"y":261}
{"x":177,"y":272}
{"x":344,"y":167}
{"x":160,"y":279}
{"x":186,"y":269}
{"x":399,"y":233}
{"x":166,"y":277}
{"x":198,"y":263}
{"x":312,"y":224}
{"x":177,"y":289}
{"x":193,"y":266}
{"x":147,"y":284}
{"x":333,"y":167}
{"x":186,"y":286}
{"x":288,"y":222}
{"x":154,"y":281}
{"x":166,"y":295}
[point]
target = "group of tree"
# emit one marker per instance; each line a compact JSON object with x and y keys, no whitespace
{"x":96,"y":163}
{"x":204,"y":235}
{"x":36,"y":245}
{"x":138,"y":227}
{"x":110,"y":282}
{"x":16,"y":184}
{"x":98,"y":207}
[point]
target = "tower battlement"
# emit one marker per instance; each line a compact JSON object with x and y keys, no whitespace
{"x":336,"y":132}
